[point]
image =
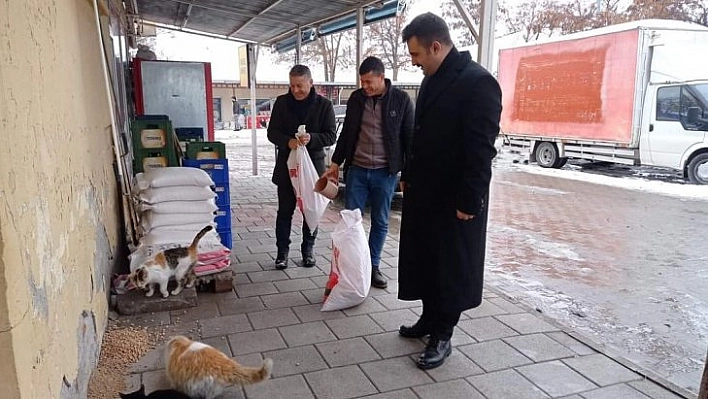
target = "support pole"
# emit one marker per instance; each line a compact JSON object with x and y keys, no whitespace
{"x":252,"y":65}
{"x":468,"y":19}
{"x":298,"y":45}
{"x":359,"y":42}
{"x":485,"y":48}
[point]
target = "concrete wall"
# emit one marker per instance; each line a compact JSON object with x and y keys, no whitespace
{"x":59,"y":210}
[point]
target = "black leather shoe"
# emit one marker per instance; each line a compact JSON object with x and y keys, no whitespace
{"x":308,"y":261}
{"x":417,"y":330}
{"x":281,"y":262}
{"x":435,"y":354}
{"x":377,"y":279}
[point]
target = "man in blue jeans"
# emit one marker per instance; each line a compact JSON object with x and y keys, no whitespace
{"x":375,"y":143}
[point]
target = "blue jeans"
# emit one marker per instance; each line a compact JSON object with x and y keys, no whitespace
{"x":376,"y":185}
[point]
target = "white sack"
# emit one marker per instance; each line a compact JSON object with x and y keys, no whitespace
{"x":350,"y":275}
{"x":173,"y":176}
{"x":201,"y":206}
{"x":176,"y":193}
{"x":152,"y":220}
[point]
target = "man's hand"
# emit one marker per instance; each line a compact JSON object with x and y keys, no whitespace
{"x":464,"y":216}
{"x":304,"y":138}
{"x":403,"y":186}
{"x":332,"y":173}
{"x":293,"y":143}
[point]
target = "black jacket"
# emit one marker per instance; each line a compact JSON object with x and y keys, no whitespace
{"x":283,"y":126}
{"x":397,"y":125}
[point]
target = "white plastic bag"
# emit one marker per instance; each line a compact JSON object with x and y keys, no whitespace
{"x":304,"y":176}
{"x":350,"y":276}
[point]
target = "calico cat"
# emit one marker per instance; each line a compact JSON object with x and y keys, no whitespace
{"x":161,"y":394}
{"x":177,"y":262}
{"x":201,"y":371}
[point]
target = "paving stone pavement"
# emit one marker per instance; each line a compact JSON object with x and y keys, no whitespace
{"x":501,"y":349}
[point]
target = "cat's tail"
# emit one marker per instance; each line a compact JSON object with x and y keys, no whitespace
{"x":199,"y":236}
{"x":250,"y":375}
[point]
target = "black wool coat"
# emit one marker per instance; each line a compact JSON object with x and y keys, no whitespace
{"x":456,"y":123}
{"x":319,"y":123}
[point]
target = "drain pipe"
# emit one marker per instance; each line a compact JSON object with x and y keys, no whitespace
{"x":125,"y":190}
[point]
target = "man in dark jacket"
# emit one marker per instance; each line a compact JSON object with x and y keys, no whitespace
{"x":375,"y":143}
{"x":300,"y":106}
{"x":446,"y":185}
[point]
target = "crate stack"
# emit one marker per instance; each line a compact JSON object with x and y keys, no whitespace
{"x":210,"y":156}
{"x":153,"y":143}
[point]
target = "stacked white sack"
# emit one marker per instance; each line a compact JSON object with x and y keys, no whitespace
{"x":175,"y":204}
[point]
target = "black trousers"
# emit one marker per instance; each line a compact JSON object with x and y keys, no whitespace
{"x":440,"y":321}
{"x":284,"y":221}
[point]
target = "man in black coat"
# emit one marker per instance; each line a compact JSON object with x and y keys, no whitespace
{"x":300,"y":106}
{"x":375,"y":143}
{"x":446,"y":186}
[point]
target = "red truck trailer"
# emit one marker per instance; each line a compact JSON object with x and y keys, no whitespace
{"x":634,"y":93}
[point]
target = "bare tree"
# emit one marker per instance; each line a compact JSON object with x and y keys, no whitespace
{"x":664,"y":9}
{"x":457,"y":25}
{"x":529,"y":17}
{"x":575,"y":16}
{"x":609,"y":13}
{"x":699,"y":11}
{"x":384,"y":42}
{"x":331,"y":51}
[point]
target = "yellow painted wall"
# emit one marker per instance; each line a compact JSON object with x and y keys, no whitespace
{"x":59,"y":210}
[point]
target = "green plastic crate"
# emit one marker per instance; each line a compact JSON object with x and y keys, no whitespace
{"x":154,"y":158}
{"x":152,"y":134}
{"x":206,"y":150}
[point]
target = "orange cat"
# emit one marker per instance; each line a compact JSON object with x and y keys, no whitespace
{"x":175,"y":262}
{"x":201,"y":371}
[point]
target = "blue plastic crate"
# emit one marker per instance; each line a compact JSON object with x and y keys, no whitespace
{"x":223,"y":218}
{"x":218,"y":169}
{"x":227,"y":239}
{"x":222,"y":194}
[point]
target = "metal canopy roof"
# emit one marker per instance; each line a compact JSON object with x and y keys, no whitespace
{"x":255,"y":21}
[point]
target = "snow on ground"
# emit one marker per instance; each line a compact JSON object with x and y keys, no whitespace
{"x":654,"y":180}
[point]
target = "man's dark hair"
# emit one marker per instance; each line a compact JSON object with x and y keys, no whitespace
{"x":427,"y":28}
{"x":300,"y":70}
{"x":372,"y":64}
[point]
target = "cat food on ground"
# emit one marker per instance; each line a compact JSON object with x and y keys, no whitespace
{"x":121,"y":347}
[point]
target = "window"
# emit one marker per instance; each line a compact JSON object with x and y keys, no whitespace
{"x":668,"y":103}
{"x":694,"y":100}
{"x":687,"y":104}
